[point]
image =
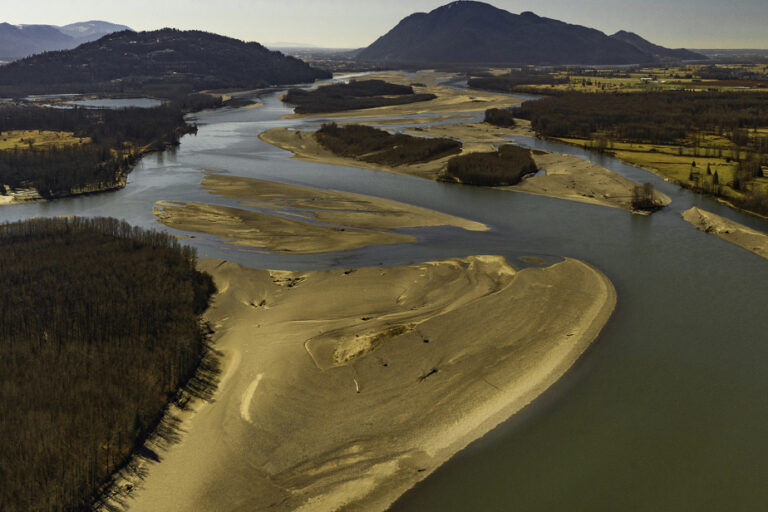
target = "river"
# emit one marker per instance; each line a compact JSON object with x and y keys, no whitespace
{"x":666,"y":411}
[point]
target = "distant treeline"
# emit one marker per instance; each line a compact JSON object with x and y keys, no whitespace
{"x":116,"y":139}
{"x":381,"y":147}
{"x":99,"y":327}
{"x":352,"y":96}
{"x":657,"y":117}
{"x":507,"y":166}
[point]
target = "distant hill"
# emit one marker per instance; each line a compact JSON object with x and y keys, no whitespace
{"x":657,"y":51}
{"x":19,"y":41}
{"x":85,"y":31}
{"x":467,"y":32}
{"x":134,"y":61}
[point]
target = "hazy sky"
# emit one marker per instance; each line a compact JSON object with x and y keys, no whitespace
{"x":357,"y":23}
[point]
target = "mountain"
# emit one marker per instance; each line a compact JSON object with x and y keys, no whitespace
{"x":657,"y":51}
{"x":477,"y":33}
{"x":19,"y":41}
{"x":85,"y":31}
{"x":168,"y":58}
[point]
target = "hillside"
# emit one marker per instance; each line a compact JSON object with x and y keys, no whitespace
{"x":477,"y":33}
{"x":19,"y":41}
{"x":657,"y":51}
{"x":163,"y":59}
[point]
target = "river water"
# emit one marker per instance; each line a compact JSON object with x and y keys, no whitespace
{"x":667,"y":410}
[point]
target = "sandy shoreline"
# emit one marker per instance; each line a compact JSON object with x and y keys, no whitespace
{"x":566,"y":176}
{"x":300,"y":220}
{"x":728,"y":230}
{"x":440,"y":353}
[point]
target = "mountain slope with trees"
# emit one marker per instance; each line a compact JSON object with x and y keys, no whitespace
{"x":467,"y":32}
{"x":139,"y":61}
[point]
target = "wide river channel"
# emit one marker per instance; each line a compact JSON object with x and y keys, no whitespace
{"x":668,"y":410}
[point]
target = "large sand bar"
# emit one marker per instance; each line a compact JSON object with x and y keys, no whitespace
{"x":300,"y":220}
{"x":743,"y":236}
{"x":342,"y":389}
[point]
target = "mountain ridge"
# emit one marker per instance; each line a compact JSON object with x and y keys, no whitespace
{"x":471,"y":32}
{"x":19,"y":41}
{"x":167,"y":58}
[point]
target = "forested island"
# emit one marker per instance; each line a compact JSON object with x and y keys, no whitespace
{"x":381,"y":147}
{"x":507,"y":166}
{"x":57,"y":152}
{"x":352,"y":96}
{"x":100,"y":327}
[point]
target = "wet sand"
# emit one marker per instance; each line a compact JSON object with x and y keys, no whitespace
{"x":728,"y":230}
{"x":300,"y":220}
{"x":342,"y":389}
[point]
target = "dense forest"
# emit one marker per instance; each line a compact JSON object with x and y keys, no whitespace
{"x":381,"y":147}
{"x":352,"y":96}
{"x":663,"y":118}
{"x":110,"y":143}
{"x":83,"y":382}
{"x":507,"y":166}
{"x":160,"y":62}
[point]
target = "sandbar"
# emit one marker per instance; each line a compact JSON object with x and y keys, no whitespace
{"x":733,"y":232}
{"x":344,"y":388}
{"x":300,"y":220}
{"x":564,"y":176}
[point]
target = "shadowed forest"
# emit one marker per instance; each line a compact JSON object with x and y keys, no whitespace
{"x":507,"y":166}
{"x":99,"y":328}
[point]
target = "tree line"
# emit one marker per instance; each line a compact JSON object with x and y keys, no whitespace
{"x":99,"y":327}
{"x":110,"y":143}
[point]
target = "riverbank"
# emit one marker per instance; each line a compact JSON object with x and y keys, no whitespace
{"x":300,"y":220}
{"x":733,"y":232}
{"x":565,"y":176}
{"x":311,"y":412}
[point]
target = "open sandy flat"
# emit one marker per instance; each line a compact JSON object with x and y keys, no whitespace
{"x":475,"y":132}
{"x":342,"y":389}
{"x":300,"y":220}
{"x":729,"y":230}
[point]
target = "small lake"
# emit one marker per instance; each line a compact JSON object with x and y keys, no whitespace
{"x":115,"y":103}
